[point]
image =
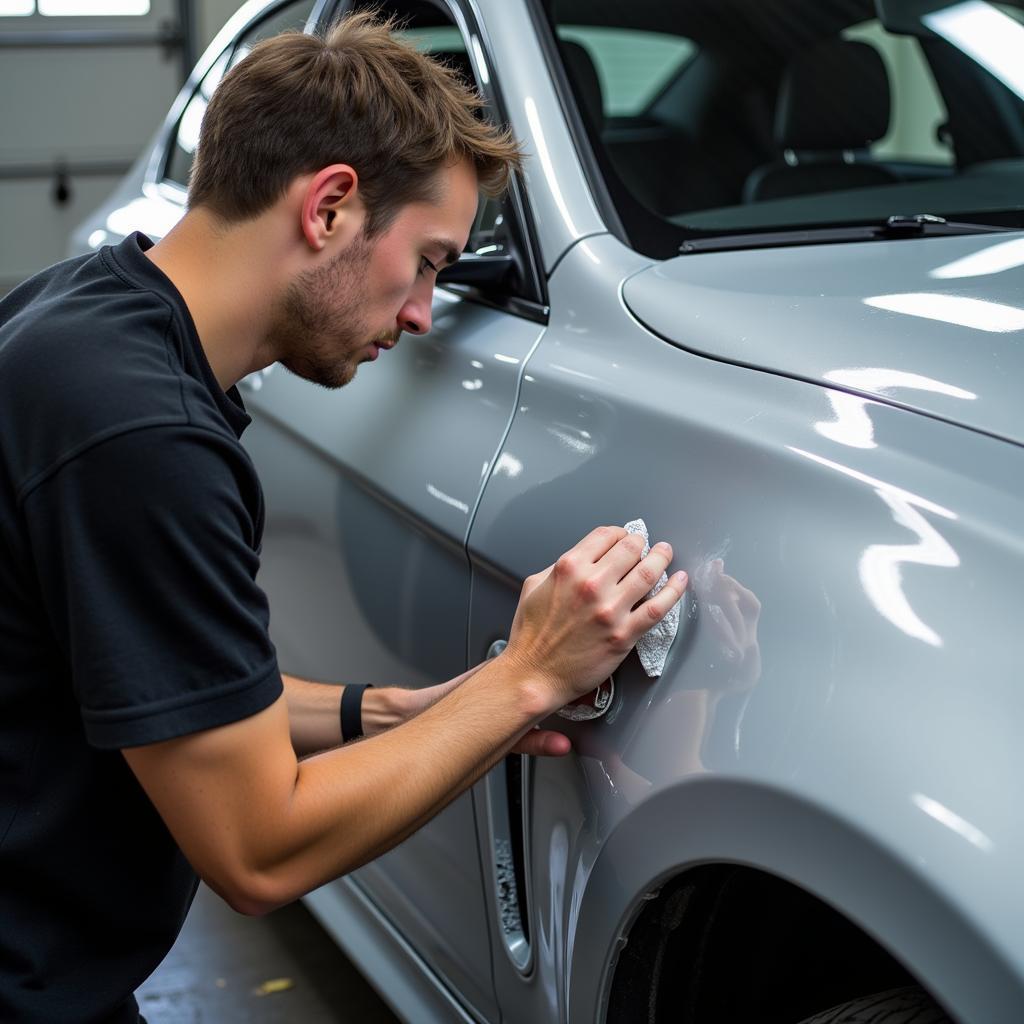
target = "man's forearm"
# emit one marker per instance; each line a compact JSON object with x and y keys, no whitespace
{"x":351,"y":804}
{"x":314,"y":712}
{"x":314,"y":709}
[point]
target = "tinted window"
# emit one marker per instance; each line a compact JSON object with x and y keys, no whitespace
{"x":729,"y":116}
{"x":186,"y":136}
{"x":632,"y":67}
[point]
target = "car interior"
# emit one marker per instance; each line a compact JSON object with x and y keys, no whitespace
{"x":711,"y":116}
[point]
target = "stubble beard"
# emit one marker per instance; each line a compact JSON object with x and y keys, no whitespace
{"x":319,"y":326}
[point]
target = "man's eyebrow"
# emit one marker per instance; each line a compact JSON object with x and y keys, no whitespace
{"x":451,"y":251}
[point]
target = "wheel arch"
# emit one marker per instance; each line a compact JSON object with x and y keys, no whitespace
{"x":726,"y":823}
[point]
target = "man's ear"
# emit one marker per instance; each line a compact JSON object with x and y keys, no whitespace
{"x":331,"y":207}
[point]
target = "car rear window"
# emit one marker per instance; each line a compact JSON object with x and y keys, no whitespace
{"x":724,"y":116}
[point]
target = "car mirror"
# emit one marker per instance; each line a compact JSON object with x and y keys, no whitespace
{"x":490,"y":269}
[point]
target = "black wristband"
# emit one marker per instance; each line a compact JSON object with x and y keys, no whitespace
{"x":352,"y":710}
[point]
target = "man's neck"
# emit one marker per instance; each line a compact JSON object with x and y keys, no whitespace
{"x":229,"y":285}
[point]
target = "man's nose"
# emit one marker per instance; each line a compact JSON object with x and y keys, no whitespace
{"x":414,"y":317}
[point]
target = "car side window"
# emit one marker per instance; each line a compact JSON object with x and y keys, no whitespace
{"x":632,"y":66}
{"x":918,"y":111}
{"x":498,"y":228}
{"x":186,"y":136}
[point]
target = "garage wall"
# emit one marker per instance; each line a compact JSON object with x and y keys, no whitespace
{"x":82,"y":96}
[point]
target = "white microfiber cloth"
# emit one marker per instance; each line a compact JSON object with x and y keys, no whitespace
{"x":654,"y":645}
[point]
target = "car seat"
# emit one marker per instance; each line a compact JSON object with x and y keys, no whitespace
{"x":833,"y":102}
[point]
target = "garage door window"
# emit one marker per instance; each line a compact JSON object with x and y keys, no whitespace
{"x":75,"y":8}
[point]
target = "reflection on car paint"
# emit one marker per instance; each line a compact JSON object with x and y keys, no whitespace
{"x":436,"y":492}
{"x":852,"y":425}
{"x":153,"y":217}
{"x":993,"y":260}
{"x":544,"y":155}
{"x":981,"y":314}
{"x":952,"y":820}
{"x":880,"y":563}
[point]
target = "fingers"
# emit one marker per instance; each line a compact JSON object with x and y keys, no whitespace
{"x":598,"y":542}
{"x":654,"y":609}
{"x":543,"y":743}
{"x":643,"y":575}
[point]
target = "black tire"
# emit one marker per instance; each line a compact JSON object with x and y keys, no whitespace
{"x":909,"y":1005}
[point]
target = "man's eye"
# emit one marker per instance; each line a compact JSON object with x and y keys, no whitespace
{"x":426,"y":264}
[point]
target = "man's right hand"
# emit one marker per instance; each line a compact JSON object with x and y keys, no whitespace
{"x":580,"y":617}
{"x":262,"y":828}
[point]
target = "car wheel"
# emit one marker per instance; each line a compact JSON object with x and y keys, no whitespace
{"x":909,"y":1005}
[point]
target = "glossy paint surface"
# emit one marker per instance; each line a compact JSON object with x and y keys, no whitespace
{"x":842,"y":705}
{"x":846,"y":672}
{"x":934,"y":324}
{"x":369,"y":491}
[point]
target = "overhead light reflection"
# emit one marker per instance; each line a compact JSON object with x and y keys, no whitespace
{"x":881,"y":575}
{"x":509,"y":465}
{"x":944,"y":816}
{"x":533,"y":117}
{"x":573,"y":373}
{"x":987,"y":35}
{"x":882,"y":379}
{"x":190,"y":123}
{"x":481,"y":62}
{"x":978,"y":314}
{"x":993,"y":260}
{"x":435,"y":492}
{"x":852,"y":425}
{"x":879,"y":569}
{"x":153,"y":217}
{"x":573,"y":439}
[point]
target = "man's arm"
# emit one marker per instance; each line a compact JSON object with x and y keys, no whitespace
{"x":314,"y":709}
{"x":262,"y":828}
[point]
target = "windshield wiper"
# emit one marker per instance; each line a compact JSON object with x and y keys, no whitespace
{"x":897,"y":226}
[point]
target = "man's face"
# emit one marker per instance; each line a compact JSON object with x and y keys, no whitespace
{"x":342,"y":314}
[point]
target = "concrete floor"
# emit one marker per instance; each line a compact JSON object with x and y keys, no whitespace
{"x":214,"y":971}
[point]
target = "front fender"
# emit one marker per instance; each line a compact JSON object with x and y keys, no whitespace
{"x":873,"y":884}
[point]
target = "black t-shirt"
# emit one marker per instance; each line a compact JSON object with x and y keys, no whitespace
{"x":130,"y":529}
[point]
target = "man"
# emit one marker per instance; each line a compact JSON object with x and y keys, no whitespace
{"x":146,"y":733}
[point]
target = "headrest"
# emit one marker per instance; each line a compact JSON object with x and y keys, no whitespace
{"x":580,"y":67}
{"x":834,"y":97}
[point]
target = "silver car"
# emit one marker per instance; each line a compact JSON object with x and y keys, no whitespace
{"x":762,"y":285}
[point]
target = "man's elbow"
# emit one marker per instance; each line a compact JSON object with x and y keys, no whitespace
{"x":252,"y":895}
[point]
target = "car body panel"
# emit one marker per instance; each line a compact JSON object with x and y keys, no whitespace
{"x":886,"y":638}
{"x":933,"y":324}
{"x":858,"y":743}
{"x":369,"y":494}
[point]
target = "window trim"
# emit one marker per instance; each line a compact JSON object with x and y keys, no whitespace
{"x":534,"y":305}
{"x":547,"y":40}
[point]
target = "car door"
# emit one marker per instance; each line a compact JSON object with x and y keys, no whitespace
{"x":369,"y":494}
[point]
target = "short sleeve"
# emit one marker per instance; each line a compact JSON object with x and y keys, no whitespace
{"x":146,"y":547}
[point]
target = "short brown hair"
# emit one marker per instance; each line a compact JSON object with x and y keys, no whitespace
{"x":357,"y":95}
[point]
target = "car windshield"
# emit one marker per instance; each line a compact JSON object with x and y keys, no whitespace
{"x":715,"y":117}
